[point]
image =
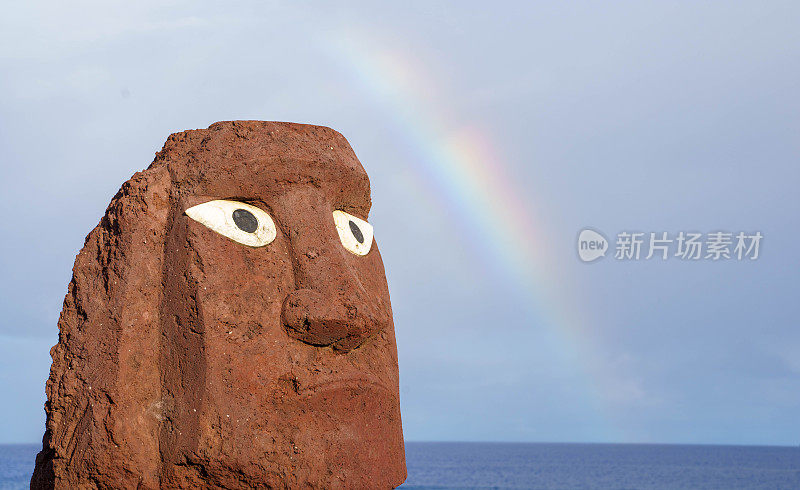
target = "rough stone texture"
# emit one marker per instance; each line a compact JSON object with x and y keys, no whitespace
{"x":186,"y":359}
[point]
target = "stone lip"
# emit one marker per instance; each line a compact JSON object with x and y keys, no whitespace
{"x":176,"y":367}
{"x":346,"y":384}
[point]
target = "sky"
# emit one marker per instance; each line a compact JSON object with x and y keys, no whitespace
{"x":492,"y":136}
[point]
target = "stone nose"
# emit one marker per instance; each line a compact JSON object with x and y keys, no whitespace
{"x":330,"y":306}
{"x":316,"y":318}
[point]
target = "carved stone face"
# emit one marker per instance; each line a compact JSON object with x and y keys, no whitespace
{"x":288,"y":349}
{"x":275,"y":357}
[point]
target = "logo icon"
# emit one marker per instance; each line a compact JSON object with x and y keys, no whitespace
{"x":591,"y":245}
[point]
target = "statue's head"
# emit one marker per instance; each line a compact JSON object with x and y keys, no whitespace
{"x":253,"y":335}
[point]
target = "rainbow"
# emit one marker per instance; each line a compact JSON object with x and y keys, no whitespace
{"x":470,"y":176}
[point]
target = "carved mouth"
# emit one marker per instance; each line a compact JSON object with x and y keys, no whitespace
{"x":355,"y":385}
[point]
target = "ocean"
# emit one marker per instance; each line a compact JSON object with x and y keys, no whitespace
{"x":437,"y":465}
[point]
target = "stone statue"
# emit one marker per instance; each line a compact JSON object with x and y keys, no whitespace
{"x":228,"y":324}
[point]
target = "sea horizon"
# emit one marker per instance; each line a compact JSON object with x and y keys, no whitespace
{"x":445,"y":441}
{"x":553,"y":465}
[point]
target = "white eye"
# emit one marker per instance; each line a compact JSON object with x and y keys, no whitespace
{"x":238,"y":221}
{"x":355,"y":233}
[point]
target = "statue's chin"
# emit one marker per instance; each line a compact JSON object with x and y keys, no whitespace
{"x":354,"y":427}
{"x":340,"y":431}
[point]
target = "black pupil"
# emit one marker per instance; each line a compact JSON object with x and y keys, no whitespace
{"x":245,"y":220}
{"x":356,"y":232}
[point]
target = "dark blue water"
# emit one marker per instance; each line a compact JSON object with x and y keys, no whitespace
{"x":16,"y":465}
{"x":563,"y":466}
{"x":613,"y":466}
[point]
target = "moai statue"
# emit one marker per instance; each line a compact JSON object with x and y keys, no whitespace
{"x":228,"y":324}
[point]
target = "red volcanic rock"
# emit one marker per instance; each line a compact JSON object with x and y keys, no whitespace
{"x":187,"y":358}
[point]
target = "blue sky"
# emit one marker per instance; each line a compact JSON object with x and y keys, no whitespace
{"x":646,"y":116}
